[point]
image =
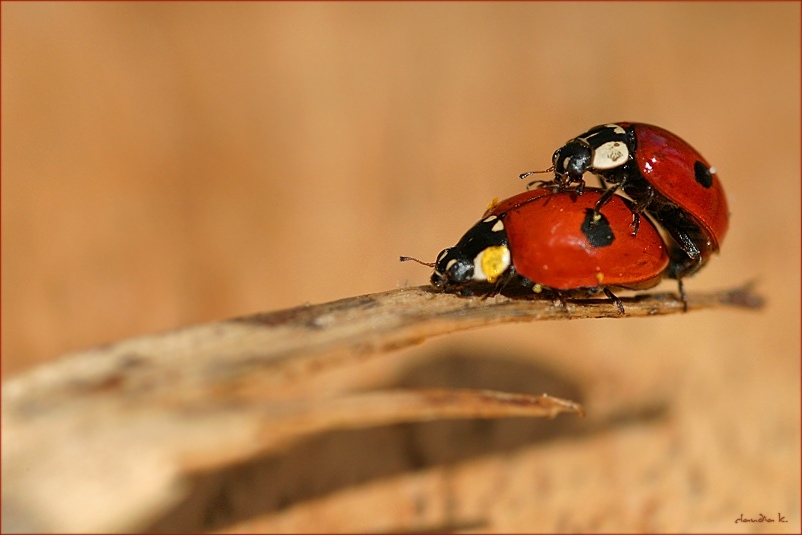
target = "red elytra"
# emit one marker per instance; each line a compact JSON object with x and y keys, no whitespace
{"x":555,"y":242}
{"x":668,"y":163}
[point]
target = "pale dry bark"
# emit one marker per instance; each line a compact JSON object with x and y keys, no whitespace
{"x":101,"y":440}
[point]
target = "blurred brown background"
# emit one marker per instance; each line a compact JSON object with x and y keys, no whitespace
{"x":165,"y":164}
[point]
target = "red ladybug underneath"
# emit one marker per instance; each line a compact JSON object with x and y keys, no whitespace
{"x":545,"y":240}
{"x":662,"y":174}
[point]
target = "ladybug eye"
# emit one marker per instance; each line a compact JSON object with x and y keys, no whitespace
{"x":555,"y":157}
{"x":459,"y":270}
{"x":577,"y":164}
{"x":572,"y":159}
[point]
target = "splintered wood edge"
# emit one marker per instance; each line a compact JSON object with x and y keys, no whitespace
{"x":141,"y":412}
{"x":287,"y":421}
{"x":261,"y":353}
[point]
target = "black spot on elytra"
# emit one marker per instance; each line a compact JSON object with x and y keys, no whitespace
{"x":703,"y":175}
{"x":598,"y":232}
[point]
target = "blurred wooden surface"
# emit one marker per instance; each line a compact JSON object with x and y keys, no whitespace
{"x":166,"y":164}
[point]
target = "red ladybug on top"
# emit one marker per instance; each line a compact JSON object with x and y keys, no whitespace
{"x":662,"y":174}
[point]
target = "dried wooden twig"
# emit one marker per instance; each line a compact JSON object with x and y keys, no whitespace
{"x":99,"y":439}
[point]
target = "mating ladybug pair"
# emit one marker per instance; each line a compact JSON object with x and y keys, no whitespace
{"x":582,"y":240}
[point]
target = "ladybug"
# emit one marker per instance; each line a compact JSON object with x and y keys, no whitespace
{"x":663,"y":174}
{"x":554,"y":241}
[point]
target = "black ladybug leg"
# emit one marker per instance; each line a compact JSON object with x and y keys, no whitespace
{"x":639,"y":207}
{"x":501,"y":283}
{"x":491,"y":293}
{"x":604,"y":199}
{"x":683,"y":296}
{"x":543,"y":184}
{"x":684,"y":265}
{"x":558,"y":298}
{"x":635,"y":223}
{"x":606,"y":196}
{"x":507,"y":279}
{"x":644,"y":202}
{"x":614,"y":298}
{"x":686,"y":259}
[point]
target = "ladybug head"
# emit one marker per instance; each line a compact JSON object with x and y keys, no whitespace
{"x":452,"y":268}
{"x":481,"y":256}
{"x":571,"y":161}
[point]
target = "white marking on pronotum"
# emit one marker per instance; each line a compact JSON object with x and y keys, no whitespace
{"x":489,"y":219}
{"x":478,"y":272}
{"x":614,"y":127}
{"x":610,"y":155}
{"x":498,"y":227}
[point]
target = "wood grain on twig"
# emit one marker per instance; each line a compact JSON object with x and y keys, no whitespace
{"x":118,"y":425}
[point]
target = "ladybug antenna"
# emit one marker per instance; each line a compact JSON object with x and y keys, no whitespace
{"x":524,"y":175}
{"x":406,"y":258}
